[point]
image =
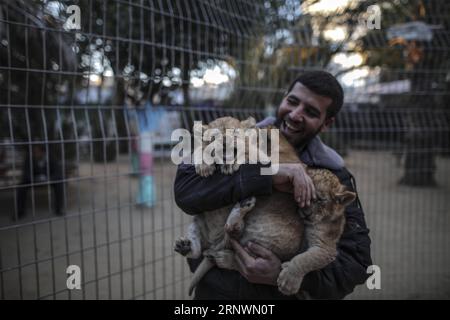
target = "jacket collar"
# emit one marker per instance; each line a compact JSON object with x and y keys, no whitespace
{"x":316,"y":153}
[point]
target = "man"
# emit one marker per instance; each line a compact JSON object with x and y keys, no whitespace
{"x":36,"y":172}
{"x":309,"y":107}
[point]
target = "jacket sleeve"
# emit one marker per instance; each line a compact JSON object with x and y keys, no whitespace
{"x":195,"y":194}
{"x":340,"y":277}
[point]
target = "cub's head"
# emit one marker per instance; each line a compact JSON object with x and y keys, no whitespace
{"x":220,"y":140}
{"x":233,"y":131}
{"x":224,"y":123}
{"x":332,"y":198}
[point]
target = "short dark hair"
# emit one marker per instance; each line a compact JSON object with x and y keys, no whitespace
{"x":324,"y":84}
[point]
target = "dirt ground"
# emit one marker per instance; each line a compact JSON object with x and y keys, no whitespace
{"x":125,"y":251}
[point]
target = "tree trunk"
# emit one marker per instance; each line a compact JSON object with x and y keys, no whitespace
{"x":419,"y":167}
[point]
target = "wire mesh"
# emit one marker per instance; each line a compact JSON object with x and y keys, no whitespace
{"x":79,"y":101}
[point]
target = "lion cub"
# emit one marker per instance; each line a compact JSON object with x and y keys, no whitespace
{"x":275,"y":222}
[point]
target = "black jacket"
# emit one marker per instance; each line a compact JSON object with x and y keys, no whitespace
{"x":195,"y":194}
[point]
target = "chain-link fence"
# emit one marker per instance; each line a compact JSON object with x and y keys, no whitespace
{"x":92,"y":90}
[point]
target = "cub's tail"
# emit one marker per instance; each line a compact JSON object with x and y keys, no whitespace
{"x":202,"y":269}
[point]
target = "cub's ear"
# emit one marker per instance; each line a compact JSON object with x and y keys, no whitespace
{"x":249,"y":123}
{"x":269,"y":128}
{"x":344,"y":198}
{"x":201,"y":129}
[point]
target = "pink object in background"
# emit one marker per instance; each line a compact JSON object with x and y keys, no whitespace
{"x":146,"y":164}
{"x":146,"y":193}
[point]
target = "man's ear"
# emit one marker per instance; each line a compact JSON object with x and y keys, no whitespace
{"x":327,"y":123}
{"x":344,"y":198}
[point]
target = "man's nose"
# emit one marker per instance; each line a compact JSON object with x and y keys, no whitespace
{"x":297,"y":114}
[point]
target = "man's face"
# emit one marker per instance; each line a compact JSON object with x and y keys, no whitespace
{"x":302,"y":114}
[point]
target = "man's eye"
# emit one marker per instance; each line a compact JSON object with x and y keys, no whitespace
{"x":312,"y":113}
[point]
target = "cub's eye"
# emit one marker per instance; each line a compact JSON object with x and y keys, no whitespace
{"x":320,"y":198}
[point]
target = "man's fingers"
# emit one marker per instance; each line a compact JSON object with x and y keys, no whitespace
{"x":241,"y":266}
{"x":251,"y":254}
{"x":313,"y":191}
{"x":297,"y":190}
{"x":308,"y":195}
{"x":302,"y":196}
{"x":308,"y":189}
{"x":304,"y":190}
{"x":301,"y":186}
{"x":259,"y":251}
{"x":240,"y":252}
{"x":308,"y":192}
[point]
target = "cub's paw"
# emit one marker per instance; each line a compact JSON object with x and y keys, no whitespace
{"x":226,"y":168}
{"x":205,"y":170}
{"x":182,"y":246}
{"x":225,"y":259}
{"x":234,"y":226}
{"x":229,"y":168}
{"x":289,"y":280}
{"x":247,"y":204}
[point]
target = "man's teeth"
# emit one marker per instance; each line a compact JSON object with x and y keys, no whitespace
{"x":291,"y":127}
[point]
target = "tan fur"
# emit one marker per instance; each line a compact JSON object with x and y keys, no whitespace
{"x":222,"y":124}
{"x":275,"y":222}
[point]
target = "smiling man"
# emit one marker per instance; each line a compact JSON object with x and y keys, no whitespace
{"x":308,"y":108}
{"x":303,"y":114}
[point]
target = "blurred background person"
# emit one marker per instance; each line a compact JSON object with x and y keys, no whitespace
{"x":40,"y":168}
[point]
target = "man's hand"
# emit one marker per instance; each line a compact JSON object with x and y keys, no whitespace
{"x":256,"y":263}
{"x":292,"y":177}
